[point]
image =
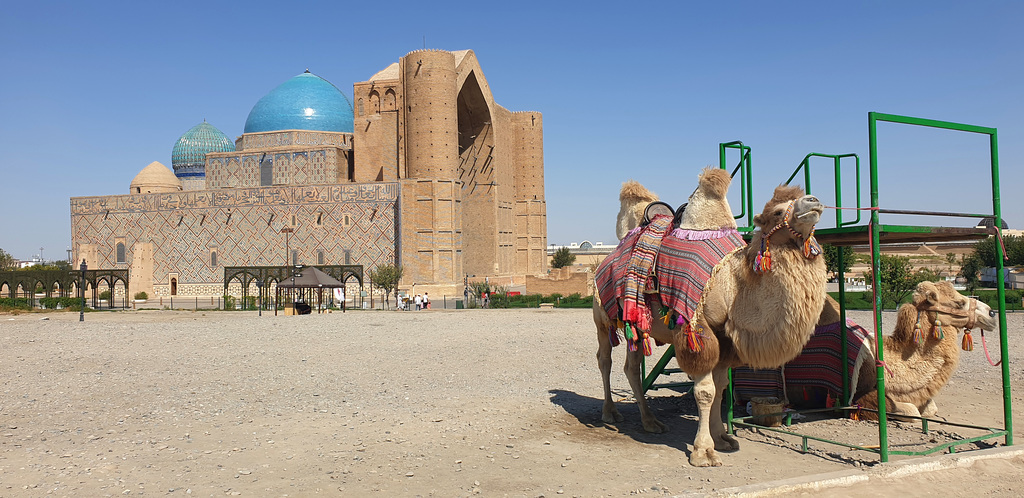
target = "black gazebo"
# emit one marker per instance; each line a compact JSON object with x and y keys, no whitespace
{"x":305,"y":281}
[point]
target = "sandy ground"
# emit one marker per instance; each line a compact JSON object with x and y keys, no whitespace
{"x":432,"y":403}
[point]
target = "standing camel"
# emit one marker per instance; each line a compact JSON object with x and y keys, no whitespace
{"x":759,"y":308}
{"x":708,"y":224}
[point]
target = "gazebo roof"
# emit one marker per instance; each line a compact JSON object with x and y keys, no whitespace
{"x":310,"y":278}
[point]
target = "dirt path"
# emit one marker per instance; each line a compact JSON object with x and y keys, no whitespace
{"x":433,"y":403}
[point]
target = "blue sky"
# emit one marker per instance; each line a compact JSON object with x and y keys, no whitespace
{"x":92,"y":92}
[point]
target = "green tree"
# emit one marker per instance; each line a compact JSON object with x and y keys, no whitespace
{"x":386,"y":277}
{"x":898,"y":279}
{"x":477,"y":289}
{"x":562,"y":258}
{"x":985,"y":252}
{"x":970,"y":267}
{"x":832,"y":254}
{"x":7,"y":262}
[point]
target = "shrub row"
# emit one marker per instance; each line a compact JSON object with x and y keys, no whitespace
{"x":863,"y":300}
{"x":51,"y":303}
{"x":535,"y":300}
{"x":14,"y":303}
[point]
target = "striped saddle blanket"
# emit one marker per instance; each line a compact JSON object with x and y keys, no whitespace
{"x":815,"y":377}
{"x":681,"y":268}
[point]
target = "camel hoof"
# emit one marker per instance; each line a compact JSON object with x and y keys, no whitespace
{"x":727,"y":443}
{"x":705,"y":458}
{"x":654,"y":426}
{"x":612,"y":417}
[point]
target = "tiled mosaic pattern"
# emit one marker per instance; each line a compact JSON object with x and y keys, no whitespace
{"x":243,"y":226}
{"x":289,"y":168}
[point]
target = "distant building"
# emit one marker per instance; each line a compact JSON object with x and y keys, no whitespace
{"x":587,"y":253}
{"x":426,"y":170}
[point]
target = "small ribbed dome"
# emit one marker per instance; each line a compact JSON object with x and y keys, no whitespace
{"x":305,"y":102}
{"x":189,"y":154}
{"x":155,"y":178}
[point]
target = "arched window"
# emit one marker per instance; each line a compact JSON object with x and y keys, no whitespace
{"x":374,"y":102}
{"x":320,"y":257}
{"x":174,"y":287}
{"x":213,"y":258}
{"x":266,"y":171}
{"x":295,"y":257}
{"x":120,"y":252}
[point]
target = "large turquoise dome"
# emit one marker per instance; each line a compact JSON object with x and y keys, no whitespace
{"x":189,"y":154}
{"x":305,"y":102}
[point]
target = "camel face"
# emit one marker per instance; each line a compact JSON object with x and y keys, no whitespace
{"x":954,"y":308}
{"x":806,"y":213}
{"x":790,"y":208}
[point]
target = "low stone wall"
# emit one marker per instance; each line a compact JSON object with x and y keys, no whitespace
{"x":563,"y":281}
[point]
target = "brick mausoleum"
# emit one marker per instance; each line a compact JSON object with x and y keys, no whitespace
{"x":426,"y":171}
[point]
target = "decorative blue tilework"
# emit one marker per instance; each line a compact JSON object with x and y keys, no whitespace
{"x":189,"y":154}
{"x":305,"y":102}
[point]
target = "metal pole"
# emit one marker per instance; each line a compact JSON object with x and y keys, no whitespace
{"x":81,"y":312}
{"x":883,"y":434}
{"x":997,"y":220}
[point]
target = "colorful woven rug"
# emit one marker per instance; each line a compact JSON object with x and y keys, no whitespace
{"x":682,"y":268}
{"x":815,"y":375}
{"x":685,"y":263}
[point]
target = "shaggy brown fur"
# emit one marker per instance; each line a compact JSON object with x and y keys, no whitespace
{"x":919,"y":371}
{"x":707,"y":209}
{"x":751,"y":318}
{"x":633,"y":199}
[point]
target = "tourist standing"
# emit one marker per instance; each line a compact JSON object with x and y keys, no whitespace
{"x":419,"y":302}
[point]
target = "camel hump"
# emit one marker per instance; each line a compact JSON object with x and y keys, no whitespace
{"x":634,"y":192}
{"x":715,"y":182}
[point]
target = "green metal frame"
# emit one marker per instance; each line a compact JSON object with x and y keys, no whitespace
{"x":876,"y":232}
{"x":848,"y":233}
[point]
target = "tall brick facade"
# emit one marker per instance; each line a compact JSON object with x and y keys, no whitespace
{"x":435,"y":176}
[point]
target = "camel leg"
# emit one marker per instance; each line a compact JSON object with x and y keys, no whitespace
{"x":723,"y":440}
{"x":632,"y":370}
{"x":609,"y":413}
{"x":930,"y":409}
{"x":703,"y":454}
{"x":901,"y":408}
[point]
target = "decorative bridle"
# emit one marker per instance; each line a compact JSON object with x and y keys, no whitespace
{"x":763,"y":260}
{"x":970,"y":313}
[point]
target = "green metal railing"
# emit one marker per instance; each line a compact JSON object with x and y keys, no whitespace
{"x":743,"y":167}
{"x":874,"y":230}
{"x":873,"y":119}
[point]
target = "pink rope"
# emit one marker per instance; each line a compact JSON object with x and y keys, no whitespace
{"x":985,"y":347}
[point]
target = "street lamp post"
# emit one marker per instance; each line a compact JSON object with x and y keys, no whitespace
{"x":259,"y":288}
{"x":287,"y":248}
{"x":81,"y":312}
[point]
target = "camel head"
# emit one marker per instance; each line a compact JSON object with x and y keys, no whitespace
{"x":633,"y":199}
{"x":707,"y":208}
{"x":953,"y":308}
{"x":787,"y":212}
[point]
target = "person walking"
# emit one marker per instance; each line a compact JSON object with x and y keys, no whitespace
{"x":419,"y":302}
{"x":426,"y":301}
